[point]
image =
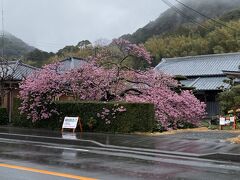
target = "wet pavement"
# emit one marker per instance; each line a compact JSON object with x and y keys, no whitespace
{"x":190,"y":155}
{"x":187,"y":142}
{"x":99,"y":164}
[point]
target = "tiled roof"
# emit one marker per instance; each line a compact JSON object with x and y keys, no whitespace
{"x":205,"y":65}
{"x":72,"y":63}
{"x":15,"y":70}
{"x":206,"y":83}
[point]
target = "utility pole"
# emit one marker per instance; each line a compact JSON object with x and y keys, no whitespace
{"x":5,"y":84}
{"x":2,"y":32}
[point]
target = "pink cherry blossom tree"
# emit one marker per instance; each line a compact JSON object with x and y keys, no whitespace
{"x":40,"y":90}
{"x":107,"y":77}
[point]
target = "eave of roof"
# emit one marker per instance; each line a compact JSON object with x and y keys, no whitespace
{"x":206,"y":83}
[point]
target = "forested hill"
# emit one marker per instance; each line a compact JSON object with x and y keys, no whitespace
{"x":171,"y":20}
{"x":13,"y":46}
{"x":214,"y":38}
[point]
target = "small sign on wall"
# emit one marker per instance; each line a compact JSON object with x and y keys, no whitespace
{"x":71,"y":123}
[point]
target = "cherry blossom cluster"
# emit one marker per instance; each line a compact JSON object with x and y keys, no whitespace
{"x":132,"y":49}
{"x":40,"y":90}
{"x":110,"y":114}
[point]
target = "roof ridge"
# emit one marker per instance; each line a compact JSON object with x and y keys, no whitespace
{"x":72,"y":57}
{"x":200,"y":56}
{"x":8,"y":62}
{"x":27,"y":65}
{"x":20,"y":62}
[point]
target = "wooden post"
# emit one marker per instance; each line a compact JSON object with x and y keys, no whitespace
{"x":220,"y":127}
{"x":235,"y":120}
{"x":80,"y":125}
{"x":10,"y":104}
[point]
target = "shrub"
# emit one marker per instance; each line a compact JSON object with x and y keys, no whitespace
{"x":18,"y":119}
{"x":111,"y":116}
{"x":3,"y":116}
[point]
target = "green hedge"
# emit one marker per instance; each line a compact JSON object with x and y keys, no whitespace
{"x":137,"y":117}
{"x":18,"y":119}
{"x":3,"y":116}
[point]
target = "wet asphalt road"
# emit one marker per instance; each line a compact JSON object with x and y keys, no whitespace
{"x":7,"y":173}
{"x":188,"y":142}
{"x":101,"y":163}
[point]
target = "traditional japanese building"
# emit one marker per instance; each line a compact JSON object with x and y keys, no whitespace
{"x":11,"y":74}
{"x":206,"y":73}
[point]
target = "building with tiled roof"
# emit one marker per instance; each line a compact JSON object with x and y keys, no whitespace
{"x":11,"y":74}
{"x":205,"y":73}
{"x":15,"y":70}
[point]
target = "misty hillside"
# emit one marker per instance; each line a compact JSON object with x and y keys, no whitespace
{"x":13,"y":46}
{"x":170,"y":20}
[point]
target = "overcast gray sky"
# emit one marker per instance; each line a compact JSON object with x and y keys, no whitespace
{"x":52,"y":24}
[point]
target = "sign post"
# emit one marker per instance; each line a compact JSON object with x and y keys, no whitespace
{"x":71,"y":123}
{"x":233,"y":121}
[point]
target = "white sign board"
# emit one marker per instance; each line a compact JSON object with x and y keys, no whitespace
{"x":222,"y":121}
{"x":232,"y":119}
{"x":70,"y":123}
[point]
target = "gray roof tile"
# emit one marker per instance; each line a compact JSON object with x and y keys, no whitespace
{"x":206,"y":83}
{"x":71,"y":63}
{"x":16,"y":70}
{"x":204,"y":65}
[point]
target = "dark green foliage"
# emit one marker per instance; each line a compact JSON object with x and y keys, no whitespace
{"x":230,"y":99}
{"x":232,"y":15}
{"x":84,"y":44}
{"x":138,"y":117}
{"x":67,"y":49}
{"x":185,"y":125}
{"x":3,"y":116}
{"x":220,"y":40}
{"x":18,"y":119}
{"x":37,"y":57}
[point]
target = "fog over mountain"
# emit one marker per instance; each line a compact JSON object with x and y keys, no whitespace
{"x":51,"y":25}
{"x":170,"y":20}
{"x":55,"y":29}
{"x":13,"y":47}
